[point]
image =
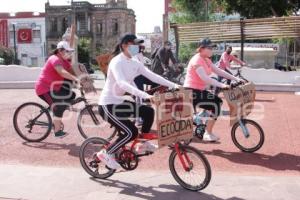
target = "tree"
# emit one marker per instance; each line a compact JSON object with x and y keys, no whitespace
{"x":188,"y":11}
{"x":260,"y":8}
{"x":7,"y":55}
{"x":84,"y":47}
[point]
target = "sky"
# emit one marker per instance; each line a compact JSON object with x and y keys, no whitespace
{"x":148,"y":12}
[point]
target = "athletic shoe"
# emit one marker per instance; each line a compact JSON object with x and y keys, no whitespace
{"x":209,"y":137}
{"x":108,"y":160}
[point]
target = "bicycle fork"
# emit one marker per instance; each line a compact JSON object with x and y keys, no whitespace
{"x":184,"y":159}
{"x":244,"y":129}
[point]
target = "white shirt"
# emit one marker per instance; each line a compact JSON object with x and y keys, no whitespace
{"x":120,"y":79}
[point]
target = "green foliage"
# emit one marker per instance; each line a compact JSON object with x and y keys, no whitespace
{"x":7,"y":55}
{"x":186,"y":51}
{"x":192,"y":11}
{"x":84,"y":50}
{"x":259,"y":8}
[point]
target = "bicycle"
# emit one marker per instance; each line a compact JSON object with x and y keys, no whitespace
{"x":182,"y":161}
{"x":238,"y":74}
{"x":239,"y":131}
{"x":176,"y":75}
{"x":33,"y":123}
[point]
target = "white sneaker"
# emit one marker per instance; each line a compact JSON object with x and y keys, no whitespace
{"x":209,"y":137}
{"x":108,"y":159}
{"x":146,"y":147}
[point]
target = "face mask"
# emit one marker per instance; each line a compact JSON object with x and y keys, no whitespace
{"x":133,"y":50}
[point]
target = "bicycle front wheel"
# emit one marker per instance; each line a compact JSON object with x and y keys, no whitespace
{"x":248,"y":137}
{"x":32,"y":122}
{"x":88,"y":158}
{"x":91,"y":124}
{"x":190,"y":169}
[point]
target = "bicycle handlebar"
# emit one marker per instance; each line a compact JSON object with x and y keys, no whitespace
{"x":232,"y":86}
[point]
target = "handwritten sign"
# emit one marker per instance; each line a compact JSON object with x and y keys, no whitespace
{"x":174,"y":113}
{"x":240,"y":101}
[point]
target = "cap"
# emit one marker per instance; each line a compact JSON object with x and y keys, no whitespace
{"x":64,"y":45}
{"x":206,"y":42}
{"x":130,"y":38}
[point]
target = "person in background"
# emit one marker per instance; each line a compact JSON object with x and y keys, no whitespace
{"x":162,"y":58}
{"x":198,"y":79}
{"x":225,"y":60}
{"x":141,"y":80}
{"x":52,"y":85}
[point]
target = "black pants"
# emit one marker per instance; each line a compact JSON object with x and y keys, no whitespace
{"x":141,"y":80}
{"x":118,"y":114}
{"x":59,"y":100}
{"x":207,"y":101}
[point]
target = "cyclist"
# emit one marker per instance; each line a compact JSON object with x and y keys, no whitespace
{"x":225,"y":60}
{"x":198,"y":79}
{"x":162,"y":58}
{"x":114,"y":108}
{"x":52,"y":86}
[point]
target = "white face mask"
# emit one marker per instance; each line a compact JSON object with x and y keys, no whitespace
{"x":133,"y":50}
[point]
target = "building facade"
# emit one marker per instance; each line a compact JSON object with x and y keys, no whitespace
{"x":102,"y":24}
{"x":152,"y":40}
{"x":25,"y":32}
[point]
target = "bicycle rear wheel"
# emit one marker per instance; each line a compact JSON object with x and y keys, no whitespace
{"x":91,"y":124}
{"x":251,"y":143}
{"x":197,"y":175}
{"x":32,"y":122}
{"x":89,"y":161}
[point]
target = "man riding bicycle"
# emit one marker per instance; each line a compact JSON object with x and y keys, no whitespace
{"x":114,"y":108}
{"x":198,"y":79}
{"x":161,"y":60}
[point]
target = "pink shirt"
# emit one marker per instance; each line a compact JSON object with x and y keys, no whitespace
{"x":192,"y":79}
{"x":50,"y":76}
{"x":225,"y":60}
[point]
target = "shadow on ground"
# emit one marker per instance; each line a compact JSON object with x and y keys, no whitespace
{"x":161,"y":192}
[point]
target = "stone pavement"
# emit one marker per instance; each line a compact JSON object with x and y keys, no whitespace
{"x":44,"y":183}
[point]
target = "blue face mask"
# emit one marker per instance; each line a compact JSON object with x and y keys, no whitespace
{"x":133,"y":50}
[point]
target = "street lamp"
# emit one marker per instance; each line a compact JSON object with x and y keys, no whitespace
{"x":15,"y":43}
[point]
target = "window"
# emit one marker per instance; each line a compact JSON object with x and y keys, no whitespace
{"x":115,"y":27}
{"x":36,"y":35}
{"x":53,"y":24}
{"x":64,"y":24}
{"x":100,"y":28}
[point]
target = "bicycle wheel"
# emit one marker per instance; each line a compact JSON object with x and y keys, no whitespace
{"x":198,"y":174}
{"x":253,"y":142}
{"x":88,"y":160}
{"x":32,"y":122}
{"x":91,"y":124}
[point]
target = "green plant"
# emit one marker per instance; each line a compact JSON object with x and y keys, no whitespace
{"x":84,"y":50}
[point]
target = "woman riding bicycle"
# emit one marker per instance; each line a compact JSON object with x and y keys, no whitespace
{"x":198,"y":79}
{"x":225,"y":60}
{"x":52,"y":85}
{"x":114,"y":108}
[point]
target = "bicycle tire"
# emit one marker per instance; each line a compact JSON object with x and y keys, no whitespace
{"x":241,"y":147}
{"x":17,"y":128}
{"x":204,"y":161}
{"x":85,"y":165}
{"x":89,"y":109}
